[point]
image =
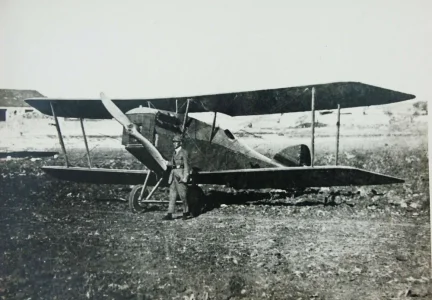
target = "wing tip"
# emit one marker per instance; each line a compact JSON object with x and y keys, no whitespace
{"x":397,"y":180}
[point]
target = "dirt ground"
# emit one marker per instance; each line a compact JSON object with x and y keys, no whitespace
{"x":64,"y":240}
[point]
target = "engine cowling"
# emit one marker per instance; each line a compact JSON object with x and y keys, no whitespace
{"x":159,"y":127}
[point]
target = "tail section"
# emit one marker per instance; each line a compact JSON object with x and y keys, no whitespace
{"x":294,"y":156}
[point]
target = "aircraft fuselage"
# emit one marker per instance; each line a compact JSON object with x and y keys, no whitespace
{"x":210,"y":148}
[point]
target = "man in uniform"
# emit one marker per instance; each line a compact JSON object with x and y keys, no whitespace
{"x":178,"y":178}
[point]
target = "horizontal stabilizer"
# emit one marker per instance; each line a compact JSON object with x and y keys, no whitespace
{"x":100,"y":175}
{"x":294,"y":156}
{"x":295,"y":177}
{"x":282,"y":100}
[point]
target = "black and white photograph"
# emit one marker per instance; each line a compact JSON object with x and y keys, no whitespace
{"x":199,"y":150}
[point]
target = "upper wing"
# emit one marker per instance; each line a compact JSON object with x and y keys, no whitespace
{"x":294,"y":177}
{"x":283,"y":100}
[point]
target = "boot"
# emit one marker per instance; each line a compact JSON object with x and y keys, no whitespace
{"x":168,"y":217}
{"x":185,"y":216}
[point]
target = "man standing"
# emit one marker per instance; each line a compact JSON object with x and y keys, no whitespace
{"x":178,"y":178}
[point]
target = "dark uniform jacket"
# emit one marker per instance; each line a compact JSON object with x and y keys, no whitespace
{"x":180,"y":166}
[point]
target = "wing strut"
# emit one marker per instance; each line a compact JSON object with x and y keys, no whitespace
{"x":186,"y":116}
{"x":313,"y":128}
{"x":85,"y":142}
{"x":213,"y":127}
{"x":59,"y":134}
{"x":337,"y":135}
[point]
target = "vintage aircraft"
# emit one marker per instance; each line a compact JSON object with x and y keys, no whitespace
{"x":217,"y":156}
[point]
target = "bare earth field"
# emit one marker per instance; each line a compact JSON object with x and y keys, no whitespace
{"x":63,"y":240}
{"x":74,"y":241}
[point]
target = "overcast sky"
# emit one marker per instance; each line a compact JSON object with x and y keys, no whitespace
{"x":137,"y":48}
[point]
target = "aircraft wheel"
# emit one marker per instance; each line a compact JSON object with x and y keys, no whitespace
{"x":196,"y":200}
{"x":134,"y":204}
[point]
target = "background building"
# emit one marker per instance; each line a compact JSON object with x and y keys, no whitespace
{"x":12,"y":103}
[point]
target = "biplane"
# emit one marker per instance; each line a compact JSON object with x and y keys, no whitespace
{"x":216,"y":156}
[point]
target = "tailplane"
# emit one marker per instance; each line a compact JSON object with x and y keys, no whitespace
{"x":294,"y":156}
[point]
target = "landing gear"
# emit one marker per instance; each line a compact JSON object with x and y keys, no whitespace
{"x":140,"y":195}
{"x":135,"y":203}
{"x":196,"y":200}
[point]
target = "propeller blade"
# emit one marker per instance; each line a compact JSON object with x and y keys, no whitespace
{"x":115,"y":111}
{"x":132,"y":130}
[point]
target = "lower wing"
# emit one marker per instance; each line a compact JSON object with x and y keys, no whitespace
{"x":295,"y":177}
{"x":100,"y":175}
{"x":280,"y":178}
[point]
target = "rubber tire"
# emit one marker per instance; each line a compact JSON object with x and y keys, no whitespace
{"x":134,"y":194}
{"x":196,"y":200}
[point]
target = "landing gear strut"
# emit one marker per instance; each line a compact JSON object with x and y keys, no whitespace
{"x":140,"y":195}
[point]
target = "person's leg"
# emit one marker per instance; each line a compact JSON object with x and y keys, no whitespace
{"x":182,"y":191}
{"x":172,"y":199}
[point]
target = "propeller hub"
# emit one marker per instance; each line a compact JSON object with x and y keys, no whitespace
{"x":158,"y":164}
